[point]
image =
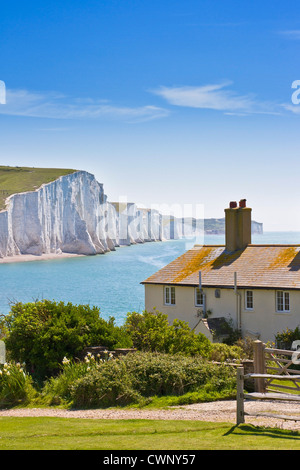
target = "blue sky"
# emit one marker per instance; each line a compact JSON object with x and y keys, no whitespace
{"x":166,"y":102}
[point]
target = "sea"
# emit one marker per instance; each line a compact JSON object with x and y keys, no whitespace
{"x":111,"y":282}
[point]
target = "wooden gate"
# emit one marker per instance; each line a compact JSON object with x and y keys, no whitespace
{"x":272,"y":374}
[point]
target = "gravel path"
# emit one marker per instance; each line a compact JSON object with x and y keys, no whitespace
{"x":220,"y":411}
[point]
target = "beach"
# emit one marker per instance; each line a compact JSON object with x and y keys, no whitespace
{"x":43,"y":257}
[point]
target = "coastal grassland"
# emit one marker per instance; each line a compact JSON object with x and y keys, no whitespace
{"x":18,"y":179}
{"x":32,"y":433}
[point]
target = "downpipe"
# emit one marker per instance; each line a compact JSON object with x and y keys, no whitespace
{"x":203,"y":293}
{"x":204,"y":301}
{"x":238,"y":304}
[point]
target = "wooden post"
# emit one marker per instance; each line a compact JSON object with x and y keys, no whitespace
{"x":259,"y":366}
{"x":240,"y":415}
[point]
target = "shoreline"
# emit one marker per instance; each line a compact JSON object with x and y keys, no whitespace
{"x":43,"y":257}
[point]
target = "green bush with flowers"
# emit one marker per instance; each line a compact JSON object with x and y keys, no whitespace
{"x":136,"y":379}
{"x":285,"y":338}
{"x":58,"y":389}
{"x":15,"y":385}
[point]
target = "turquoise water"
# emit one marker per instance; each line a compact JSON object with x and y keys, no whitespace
{"x":110,"y":282}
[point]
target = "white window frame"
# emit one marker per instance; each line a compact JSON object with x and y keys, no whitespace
{"x":285,"y":296}
{"x":246,"y":300}
{"x":168,"y":294}
{"x":197,"y":291}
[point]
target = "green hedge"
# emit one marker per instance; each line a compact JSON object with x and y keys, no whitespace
{"x":136,"y":377}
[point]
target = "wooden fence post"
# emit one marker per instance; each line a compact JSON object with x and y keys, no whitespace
{"x":240,"y":416}
{"x":259,"y":366}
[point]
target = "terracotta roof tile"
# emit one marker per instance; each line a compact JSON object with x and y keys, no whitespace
{"x":261,"y":266}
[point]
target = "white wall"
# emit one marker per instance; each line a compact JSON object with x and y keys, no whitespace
{"x":262,"y":319}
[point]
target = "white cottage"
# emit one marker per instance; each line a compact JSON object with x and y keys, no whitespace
{"x":254,"y":287}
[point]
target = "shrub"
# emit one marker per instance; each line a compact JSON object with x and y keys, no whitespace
{"x":151,"y":331}
{"x":164,"y":374}
{"x":148,"y":331}
{"x":15,"y":385}
{"x":285,"y":338}
{"x":247,"y":346}
{"x":138,"y":377}
{"x":105,"y":386}
{"x":221,"y":352}
{"x":42,"y":333}
{"x":58,"y":390}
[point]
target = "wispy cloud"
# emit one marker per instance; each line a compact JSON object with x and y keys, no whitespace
{"x":58,"y":106}
{"x":219,"y":97}
{"x":215,"y":97}
{"x":291,"y":34}
{"x":293,"y":108}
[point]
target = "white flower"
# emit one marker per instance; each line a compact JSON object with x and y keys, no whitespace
{"x":65,"y":360}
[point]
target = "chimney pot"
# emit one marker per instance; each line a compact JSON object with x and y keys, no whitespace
{"x":232,"y":204}
{"x":242,"y":203}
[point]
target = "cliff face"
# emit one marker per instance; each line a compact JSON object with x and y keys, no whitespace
{"x":72,"y":215}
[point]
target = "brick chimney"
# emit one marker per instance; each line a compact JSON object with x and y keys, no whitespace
{"x":237,"y":226}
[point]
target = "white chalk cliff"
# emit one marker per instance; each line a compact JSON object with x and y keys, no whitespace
{"x":72,"y":215}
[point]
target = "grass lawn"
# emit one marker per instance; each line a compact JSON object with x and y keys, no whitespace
{"x":19,"y":179}
{"x":288,"y":383}
{"x":91,"y":434}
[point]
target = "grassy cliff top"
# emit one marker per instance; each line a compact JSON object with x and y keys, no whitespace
{"x":18,"y":179}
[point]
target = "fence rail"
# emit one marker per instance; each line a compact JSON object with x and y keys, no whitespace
{"x":264,"y":381}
